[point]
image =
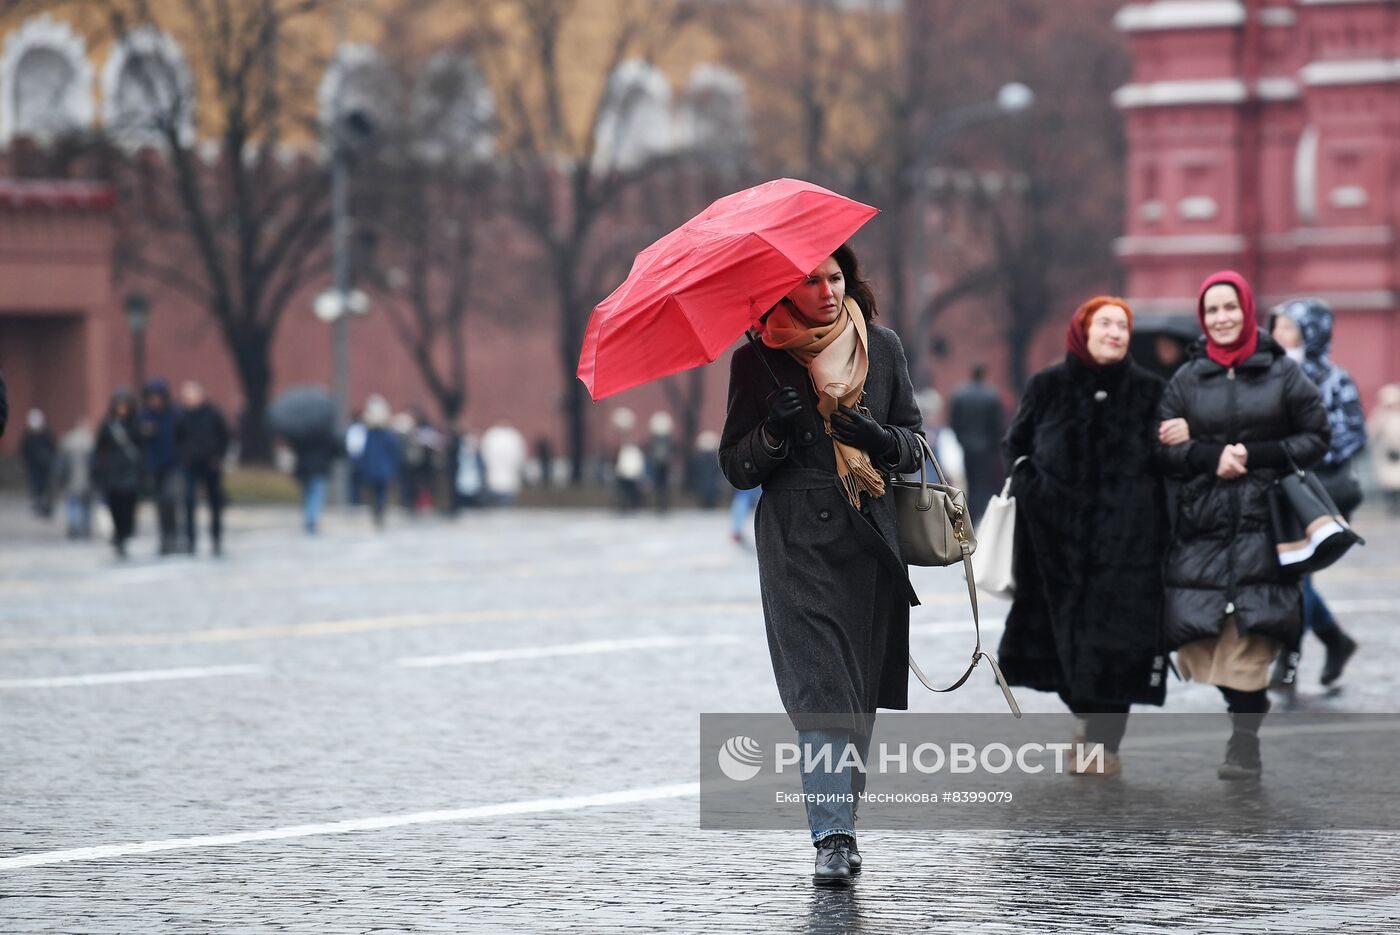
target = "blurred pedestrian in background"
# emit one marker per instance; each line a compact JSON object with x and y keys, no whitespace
{"x":1384,"y":431}
{"x":39,"y":452}
{"x":704,"y":476}
{"x":503,"y":452}
{"x":158,"y":418}
{"x":660,"y":453}
{"x":354,"y":447}
{"x":75,"y":478}
{"x":835,"y":590}
{"x":1303,"y":328}
{"x":469,"y":473}
{"x":405,"y":427}
{"x":976,"y":418}
{"x":202,"y":437}
{"x":1235,"y":416}
{"x":430,"y":444}
{"x":1091,"y":533}
{"x":118,"y":464}
{"x":315,"y":454}
{"x":4,"y":405}
{"x":741,"y":507}
{"x":379,"y":460}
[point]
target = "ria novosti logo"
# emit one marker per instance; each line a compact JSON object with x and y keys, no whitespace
{"x":740,"y":758}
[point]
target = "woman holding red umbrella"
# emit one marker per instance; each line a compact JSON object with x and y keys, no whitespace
{"x":835,"y":590}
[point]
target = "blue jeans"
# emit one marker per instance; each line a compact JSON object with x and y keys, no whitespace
{"x":313,"y":500}
{"x":839,"y":790}
{"x":1316,"y":616}
{"x":741,"y":506}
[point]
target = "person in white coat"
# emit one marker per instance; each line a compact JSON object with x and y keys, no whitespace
{"x":503,"y":451}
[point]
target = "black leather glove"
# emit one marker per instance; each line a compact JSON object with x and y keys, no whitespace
{"x":784,"y":406}
{"x":856,"y":429}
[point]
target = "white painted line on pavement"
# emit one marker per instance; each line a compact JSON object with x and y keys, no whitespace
{"x":144,"y":675}
{"x":590,"y":647}
{"x":503,"y":809}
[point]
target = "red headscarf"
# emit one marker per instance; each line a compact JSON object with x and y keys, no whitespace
{"x":1247,"y":343}
{"x":1077,"y":340}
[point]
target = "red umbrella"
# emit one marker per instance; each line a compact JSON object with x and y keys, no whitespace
{"x":694,"y":291}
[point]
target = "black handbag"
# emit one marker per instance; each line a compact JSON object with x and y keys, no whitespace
{"x":1310,"y":532}
{"x":1342,"y":485}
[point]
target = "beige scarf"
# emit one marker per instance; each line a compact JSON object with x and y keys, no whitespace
{"x":836,"y":356}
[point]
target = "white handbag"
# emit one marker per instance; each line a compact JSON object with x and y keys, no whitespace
{"x":996,"y":543}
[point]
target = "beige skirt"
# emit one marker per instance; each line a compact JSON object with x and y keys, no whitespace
{"x":1229,"y":660}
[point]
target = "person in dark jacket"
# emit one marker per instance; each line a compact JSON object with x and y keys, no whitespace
{"x":315,"y":454}
{"x":1233,"y":417}
{"x":835,"y":590}
{"x":4,"y":405}
{"x":1091,"y":532}
{"x":39,"y":452}
{"x":117,"y":466}
{"x":381,"y":458}
{"x":201,"y":437}
{"x":976,"y":418}
{"x":1303,"y":328}
{"x":158,"y":417}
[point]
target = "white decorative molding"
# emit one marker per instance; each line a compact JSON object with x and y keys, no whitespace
{"x":173,"y":84}
{"x":1360,"y":71}
{"x":1277,"y":16}
{"x":358,"y":79}
{"x":1151,"y":211}
{"x":1179,"y":245}
{"x":1181,"y":14}
{"x":1347,"y":196}
{"x":1276,"y":89}
{"x":1305,"y":175}
{"x":714,"y":115}
{"x":68,"y":106}
{"x":1172,"y":93}
{"x":1197,"y":208}
{"x":635,"y":123}
{"x":454,"y":110}
{"x":1371,"y":235}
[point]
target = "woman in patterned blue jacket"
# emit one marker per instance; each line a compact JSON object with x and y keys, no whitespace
{"x":1304,"y":328}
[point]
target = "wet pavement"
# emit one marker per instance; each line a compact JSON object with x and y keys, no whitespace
{"x":492,"y":724}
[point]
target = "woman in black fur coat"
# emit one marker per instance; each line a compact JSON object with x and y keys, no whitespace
{"x":1091,"y":532}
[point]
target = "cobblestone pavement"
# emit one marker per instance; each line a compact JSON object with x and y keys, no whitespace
{"x":492,"y":724}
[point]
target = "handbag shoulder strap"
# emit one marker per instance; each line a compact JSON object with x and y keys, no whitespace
{"x":977,"y":652}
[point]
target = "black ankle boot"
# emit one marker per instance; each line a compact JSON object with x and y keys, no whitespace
{"x":1340,"y":648}
{"x":1242,"y":759}
{"x":833,"y":866}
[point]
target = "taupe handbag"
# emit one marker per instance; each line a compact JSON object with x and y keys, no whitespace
{"x":935,"y":530}
{"x":934,"y":527}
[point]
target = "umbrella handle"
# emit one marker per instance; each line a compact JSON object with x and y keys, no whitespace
{"x":762,"y":357}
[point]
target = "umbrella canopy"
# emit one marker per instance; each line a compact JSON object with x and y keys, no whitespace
{"x":302,"y":414}
{"x":694,"y":291}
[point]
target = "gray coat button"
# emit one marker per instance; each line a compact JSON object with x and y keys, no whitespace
{"x":748,"y":465}
{"x":824,"y":515}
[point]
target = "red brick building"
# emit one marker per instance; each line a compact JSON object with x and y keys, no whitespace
{"x":1263,"y":136}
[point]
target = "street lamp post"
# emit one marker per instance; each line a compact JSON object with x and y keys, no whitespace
{"x":1012,"y":98}
{"x":137,"y":309}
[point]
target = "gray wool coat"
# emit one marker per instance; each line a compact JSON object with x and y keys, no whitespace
{"x":836,"y":593}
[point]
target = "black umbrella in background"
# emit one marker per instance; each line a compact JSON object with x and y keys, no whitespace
{"x":303,"y":414}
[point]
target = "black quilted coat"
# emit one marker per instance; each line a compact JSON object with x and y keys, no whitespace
{"x":1222,"y":559}
{"x":836,"y":594}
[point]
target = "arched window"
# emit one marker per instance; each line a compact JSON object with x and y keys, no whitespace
{"x":45,"y":81}
{"x":454,"y":111}
{"x":147,"y":89}
{"x":634,"y":124}
{"x":363,"y":86}
{"x":714,"y":115}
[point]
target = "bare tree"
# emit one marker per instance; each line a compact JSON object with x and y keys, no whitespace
{"x":570,"y":149}
{"x":235,"y":222}
{"x":425,"y":198}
